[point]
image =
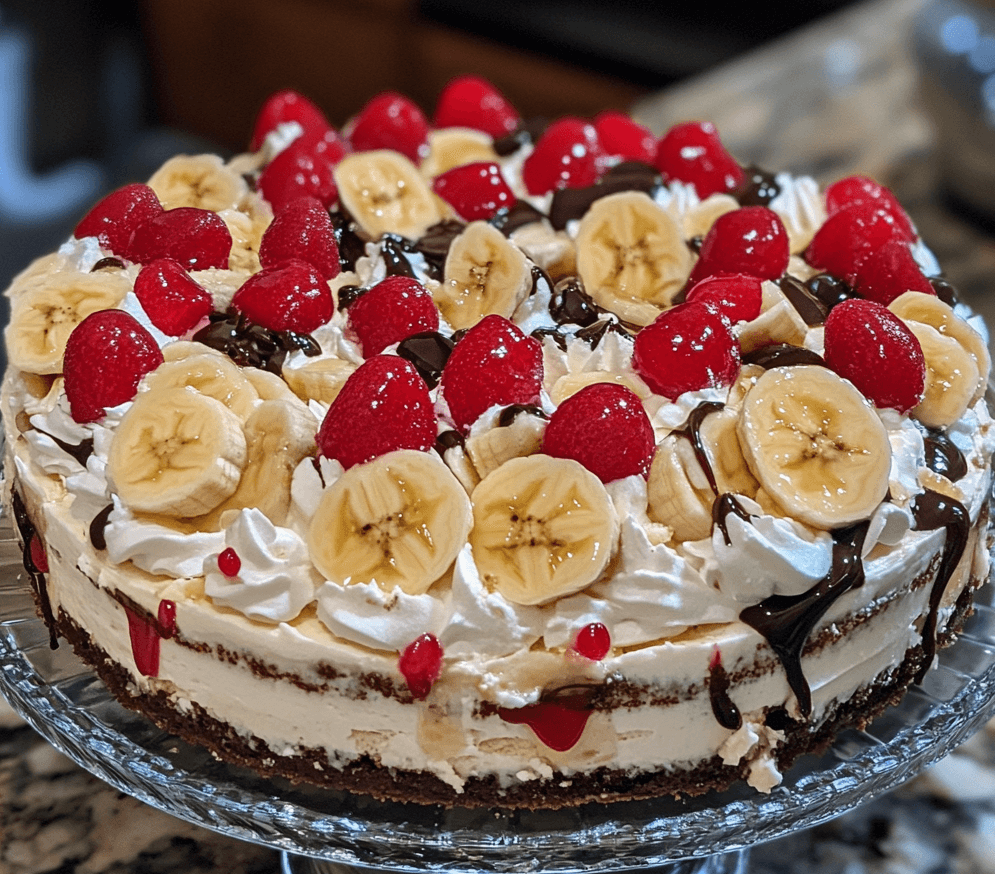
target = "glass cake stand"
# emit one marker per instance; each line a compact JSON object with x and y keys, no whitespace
{"x":326,"y":832}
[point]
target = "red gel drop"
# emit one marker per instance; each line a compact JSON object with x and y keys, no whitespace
{"x":229,"y":563}
{"x":558,"y":718}
{"x":421,"y":664}
{"x":593,"y":642}
{"x":39,"y":558}
{"x":144,"y":643}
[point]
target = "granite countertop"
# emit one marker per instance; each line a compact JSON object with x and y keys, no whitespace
{"x":836,"y":98}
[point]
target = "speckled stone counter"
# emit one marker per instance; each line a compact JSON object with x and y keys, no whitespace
{"x":837,"y":98}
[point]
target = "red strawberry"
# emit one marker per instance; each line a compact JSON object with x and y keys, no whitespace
{"x":173,"y":301}
{"x":622,"y":139}
{"x":469,"y":101}
{"x":854,"y":189}
{"x":284,"y":106}
{"x":693,"y":153}
{"x":475,"y":191}
{"x":391,"y":310}
{"x":305,"y":167}
{"x":421,"y":663}
{"x":302,"y":229}
{"x":870,"y":346}
{"x":494,"y":363}
{"x":567,"y":155}
{"x":383,"y":406}
{"x":886,"y":272}
{"x":107,"y":355}
{"x":605,"y":428}
{"x":750,"y":240}
{"x":850,"y":234}
{"x":391,"y":121}
{"x":291,"y":297}
{"x":686,"y":348}
{"x":114,"y":218}
{"x":197,"y":238}
{"x":735,"y":296}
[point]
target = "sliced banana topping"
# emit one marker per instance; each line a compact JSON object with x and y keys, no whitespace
{"x":202,"y":181}
{"x":816,"y":445}
{"x":778,"y":322}
{"x":398,"y":520}
{"x":209,"y":372}
{"x":319,"y":380}
{"x":485,"y":273}
{"x":542,"y":528}
{"x":176,"y":453}
{"x":451,"y":147}
{"x":631,"y":256}
{"x":384,"y":192}
{"x":951,"y":377}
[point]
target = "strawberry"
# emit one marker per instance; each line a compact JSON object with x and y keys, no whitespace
{"x":848,"y":235}
{"x":606,"y":429}
{"x":469,"y":101}
{"x":284,"y":106}
{"x":197,"y":238}
{"x":173,"y":301}
{"x":567,"y":155}
{"x":686,"y":348}
{"x":494,"y":363}
{"x":873,"y":348}
{"x":622,"y":139}
{"x":475,"y":191}
{"x":393,"y":309}
{"x":107,"y":354}
{"x":855,"y":189}
{"x":302,"y":229}
{"x":735,"y":296}
{"x":384,"y":405}
{"x":421,"y":663}
{"x":114,"y":218}
{"x":886,"y":272}
{"x":305,"y":167}
{"x":693,"y":153}
{"x":293,"y":296}
{"x":390,"y":121}
{"x":750,"y":240}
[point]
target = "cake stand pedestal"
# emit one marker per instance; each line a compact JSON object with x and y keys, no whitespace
{"x":326,"y":832}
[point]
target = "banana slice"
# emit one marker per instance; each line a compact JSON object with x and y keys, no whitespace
{"x":211,"y":373}
{"x":176,"y":453}
{"x":571,"y":383}
{"x":246,"y":236}
{"x":385,"y":193}
{"x":485,"y":273}
{"x":203,"y":181}
{"x":451,"y":147}
{"x":816,"y":445}
{"x":778,"y":322}
{"x":914,"y":306}
{"x":698,"y":219}
{"x":399,"y":520}
{"x":43,"y":317}
{"x":319,"y":380}
{"x":542,"y":528}
{"x":631,"y":256}
{"x":951,"y":377}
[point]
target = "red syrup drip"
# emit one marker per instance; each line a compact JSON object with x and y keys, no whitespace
{"x":38,"y":554}
{"x":145,"y":636}
{"x":558,"y":718}
{"x":421,"y":664}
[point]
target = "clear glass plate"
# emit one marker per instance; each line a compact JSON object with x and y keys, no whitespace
{"x":71,"y":708}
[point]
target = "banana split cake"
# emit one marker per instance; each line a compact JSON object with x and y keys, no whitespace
{"x":476,"y":461}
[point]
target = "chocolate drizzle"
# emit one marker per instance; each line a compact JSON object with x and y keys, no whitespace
{"x":252,"y":345}
{"x":829,"y":290}
{"x":787,"y":620}
{"x":692,"y":431}
{"x":35,"y":574}
{"x":726,"y":712}
{"x":571,"y":203}
{"x":98,"y":527}
{"x":783,"y":355}
{"x":434,"y":245}
{"x":725,"y":505}
{"x":520,"y":214}
{"x":351,"y":245}
{"x":943,"y":456}
{"x":394,"y":251}
{"x":931,"y":510}
{"x":80,"y":451}
{"x":508,"y":415}
{"x":812,"y":310}
{"x":108,"y":263}
{"x":759,"y":188}
{"x":428,"y":351}
{"x":569,"y":304}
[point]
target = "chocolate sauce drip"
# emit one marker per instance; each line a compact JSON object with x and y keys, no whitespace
{"x":394,"y":251}
{"x":571,"y":305}
{"x":252,"y":180}
{"x":778,"y":719}
{"x":252,"y":345}
{"x":36,"y":576}
{"x":447,"y":440}
{"x":783,"y":355}
{"x":109,"y":263}
{"x":931,"y":510}
{"x":512,"y":412}
{"x":829,"y":290}
{"x":349,"y":294}
{"x":943,"y":456}
{"x":428,"y":351}
{"x":528,"y":131}
{"x":945,"y":291}
{"x":787,"y":620}
{"x":759,"y":188}
{"x":80,"y":451}
{"x":572,"y":203}
{"x":725,"y":710}
{"x":692,"y":431}
{"x":726,"y":505}
{"x":509,"y":220}
{"x":812,"y":310}
{"x":351,"y":245}
{"x":557,"y":336}
{"x":434,"y":245}
{"x":594,"y":334}
{"x":539,"y":276}
{"x":98,"y":527}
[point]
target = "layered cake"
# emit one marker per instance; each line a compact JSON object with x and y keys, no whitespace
{"x":474,"y":461}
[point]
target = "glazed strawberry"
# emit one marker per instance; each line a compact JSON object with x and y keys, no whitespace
{"x":593,"y":642}
{"x":114,"y":219}
{"x":693,"y":153}
{"x":567,"y":155}
{"x":855,"y":189}
{"x":606,"y":429}
{"x":390,"y":121}
{"x":284,"y":106}
{"x":476,"y":191}
{"x":886,"y":272}
{"x":293,"y":296}
{"x":302,"y":229}
{"x":494,"y":363}
{"x":850,"y":234}
{"x":393,"y":309}
{"x":735,"y":296}
{"x":686,"y":348}
{"x":383,"y":406}
{"x":750,"y":240}
{"x":197,"y":238}
{"x":623,"y":139}
{"x":305,"y":168}
{"x":172,"y":300}
{"x":870,"y":346}
{"x":107,"y":355}
{"x":420,"y":664}
{"x":469,"y":101}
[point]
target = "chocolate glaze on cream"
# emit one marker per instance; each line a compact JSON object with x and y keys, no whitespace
{"x":943,"y":456}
